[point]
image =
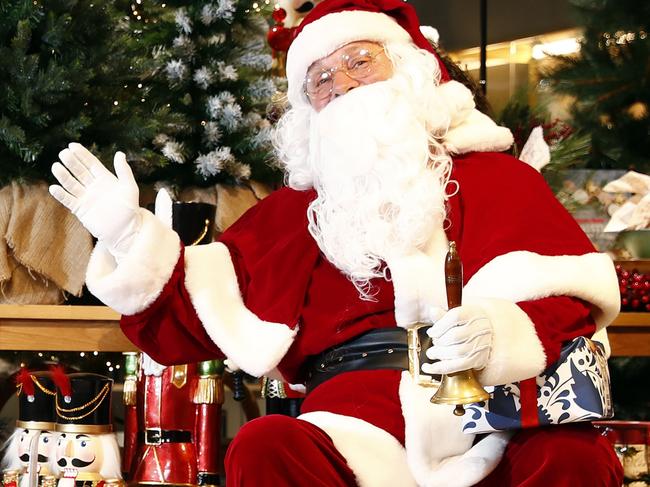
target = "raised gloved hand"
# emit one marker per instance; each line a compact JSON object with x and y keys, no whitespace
{"x":461,"y":340}
{"x":105,"y":204}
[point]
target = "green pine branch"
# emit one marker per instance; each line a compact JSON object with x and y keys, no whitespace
{"x":610,"y":82}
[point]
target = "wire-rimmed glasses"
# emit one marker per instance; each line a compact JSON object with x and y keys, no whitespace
{"x":359,"y":64}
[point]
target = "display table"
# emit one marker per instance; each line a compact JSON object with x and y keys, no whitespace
{"x":629,"y":335}
{"x":95,"y":328}
{"x":63,"y":328}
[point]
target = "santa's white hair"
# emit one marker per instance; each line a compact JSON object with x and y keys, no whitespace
{"x":375,"y":158}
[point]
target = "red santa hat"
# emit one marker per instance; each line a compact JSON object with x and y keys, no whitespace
{"x":334,"y":23}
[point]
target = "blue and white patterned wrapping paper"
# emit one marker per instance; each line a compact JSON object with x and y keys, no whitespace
{"x":575,"y":388}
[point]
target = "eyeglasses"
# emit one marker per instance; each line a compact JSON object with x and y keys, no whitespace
{"x":360,"y":65}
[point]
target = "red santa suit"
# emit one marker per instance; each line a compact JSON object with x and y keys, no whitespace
{"x":266,"y":297}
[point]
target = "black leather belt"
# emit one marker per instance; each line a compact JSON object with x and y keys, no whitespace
{"x":381,"y":348}
{"x":154,"y":436}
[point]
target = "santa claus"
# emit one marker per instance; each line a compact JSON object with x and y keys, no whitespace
{"x":386,"y":161}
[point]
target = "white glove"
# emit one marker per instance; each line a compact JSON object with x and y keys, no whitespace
{"x":461,"y":340}
{"x":106,"y":205}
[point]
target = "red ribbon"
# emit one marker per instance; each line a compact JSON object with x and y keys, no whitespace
{"x":528,"y":398}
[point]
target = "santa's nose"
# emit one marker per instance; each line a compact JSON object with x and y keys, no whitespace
{"x":342,"y":83}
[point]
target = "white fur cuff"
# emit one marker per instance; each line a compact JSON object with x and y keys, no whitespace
{"x":134,"y":284}
{"x":525,"y":276}
{"x":255,"y":345}
{"x":517,"y":352}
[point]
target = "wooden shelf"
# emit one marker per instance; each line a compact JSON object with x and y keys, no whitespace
{"x":629,"y":335}
{"x":62,"y":328}
{"x":90,"y":328}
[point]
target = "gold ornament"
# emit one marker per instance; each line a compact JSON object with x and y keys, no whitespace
{"x":638,"y":110}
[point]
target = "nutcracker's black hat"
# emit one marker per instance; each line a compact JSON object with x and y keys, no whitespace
{"x":83,"y":405}
{"x":36,"y":394}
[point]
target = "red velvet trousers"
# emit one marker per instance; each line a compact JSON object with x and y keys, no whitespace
{"x":279,"y":451}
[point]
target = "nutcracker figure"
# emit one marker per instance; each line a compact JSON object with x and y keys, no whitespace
{"x":172,"y":418}
{"x":30,"y":448}
{"x":87,"y":454}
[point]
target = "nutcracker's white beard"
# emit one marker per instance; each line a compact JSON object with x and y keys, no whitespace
{"x":374,"y":158}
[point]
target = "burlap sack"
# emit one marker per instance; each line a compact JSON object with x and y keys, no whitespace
{"x":44,"y":250}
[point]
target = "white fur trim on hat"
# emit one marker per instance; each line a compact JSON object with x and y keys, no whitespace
{"x":255,"y":345}
{"x":430,"y":33}
{"x":323,"y":36}
{"x":470,"y":130}
{"x":375,"y":456}
{"x":134,"y":284}
{"x":476,"y":133}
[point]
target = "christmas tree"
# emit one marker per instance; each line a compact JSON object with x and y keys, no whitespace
{"x":210,"y":69}
{"x":67,"y":70}
{"x":610,"y":82}
{"x":182,"y":87}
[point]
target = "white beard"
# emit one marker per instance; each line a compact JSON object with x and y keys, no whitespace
{"x":379,"y":174}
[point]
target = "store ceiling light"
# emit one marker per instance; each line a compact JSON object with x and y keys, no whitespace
{"x":556,"y":48}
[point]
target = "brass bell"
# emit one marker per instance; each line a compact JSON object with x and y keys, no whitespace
{"x":460,"y":388}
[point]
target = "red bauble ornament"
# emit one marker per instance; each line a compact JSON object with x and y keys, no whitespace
{"x":280,"y":38}
{"x":279,"y":14}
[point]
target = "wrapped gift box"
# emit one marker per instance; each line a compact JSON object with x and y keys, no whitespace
{"x":575,"y":388}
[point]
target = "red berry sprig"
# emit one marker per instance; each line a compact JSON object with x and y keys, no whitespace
{"x":635,"y":289}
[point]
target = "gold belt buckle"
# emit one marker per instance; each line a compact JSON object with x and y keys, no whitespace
{"x":414,"y":349}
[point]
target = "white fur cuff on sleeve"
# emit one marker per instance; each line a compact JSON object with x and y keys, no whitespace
{"x":134,"y":284}
{"x":255,"y":345}
{"x":517,"y":352}
{"x":523,"y":276}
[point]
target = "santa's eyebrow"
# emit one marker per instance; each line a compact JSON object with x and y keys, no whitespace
{"x":81,"y":436}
